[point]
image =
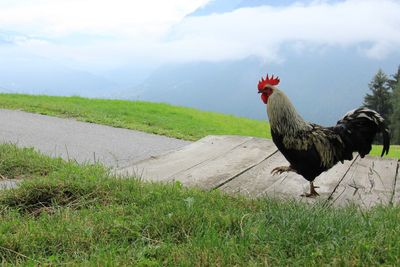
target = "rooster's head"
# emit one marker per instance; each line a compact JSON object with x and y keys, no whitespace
{"x":267,"y":86}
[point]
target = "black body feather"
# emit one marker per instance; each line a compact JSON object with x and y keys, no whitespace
{"x":317,"y":149}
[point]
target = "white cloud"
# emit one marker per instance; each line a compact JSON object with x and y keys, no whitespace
{"x":262,"y":30}
{"x":381,"y":49}
{"x":99,"y":33}
{"x":116,"y":18}
{"x":90,"y":32}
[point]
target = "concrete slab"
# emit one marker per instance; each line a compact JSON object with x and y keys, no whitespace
{"x":82,"y":141}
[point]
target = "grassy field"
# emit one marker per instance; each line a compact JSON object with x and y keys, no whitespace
{"x":179,"y":122}
{"x":81,"y":215}
{"x":158,"y":118}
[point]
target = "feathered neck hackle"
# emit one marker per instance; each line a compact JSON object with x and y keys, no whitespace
{"x":283,"y":117}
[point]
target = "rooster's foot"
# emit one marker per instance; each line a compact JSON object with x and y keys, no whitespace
{"x":312,"y":193}
{"x":282,"y":169}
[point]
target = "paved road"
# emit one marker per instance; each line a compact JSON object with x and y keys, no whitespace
{"x":84,"y":142}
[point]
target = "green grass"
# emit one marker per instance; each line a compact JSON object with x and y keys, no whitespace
{"x":69,"y":214}
{"x":158,"y":118}
{"x":394,"y":151}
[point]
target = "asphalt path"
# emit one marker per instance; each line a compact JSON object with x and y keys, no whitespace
{"x":81,"y":141}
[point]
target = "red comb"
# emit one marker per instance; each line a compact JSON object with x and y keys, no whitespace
{"x":271,"y":81}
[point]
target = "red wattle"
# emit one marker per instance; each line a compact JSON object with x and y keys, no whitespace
{"x":264,"y":98}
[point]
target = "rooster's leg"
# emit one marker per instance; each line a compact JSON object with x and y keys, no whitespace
{"x":279,"y":170}
{"x":312,"y":193}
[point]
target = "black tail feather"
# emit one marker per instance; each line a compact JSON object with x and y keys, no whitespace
{"x":358,"y":129}
{"x":386,"y":141}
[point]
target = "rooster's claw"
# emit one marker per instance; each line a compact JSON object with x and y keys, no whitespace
{"x":282,"y":169}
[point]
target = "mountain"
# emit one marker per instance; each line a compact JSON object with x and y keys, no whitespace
{"x":231,"y":86}
{"x":204,"y":85}
{"x":322,"y":82}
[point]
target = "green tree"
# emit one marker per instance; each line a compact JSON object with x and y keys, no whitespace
{"x":379,"y":100}
{"x":394,"y":84}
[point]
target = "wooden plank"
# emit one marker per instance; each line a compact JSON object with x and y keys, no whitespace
{"x":259,"y":181}
{"x":294,"y":186}
{"x":256,"y":180}
{"x":396,"y":195}
{"x":288,"y":186}
{"x":328,"y":181}
{"x":215,"y":172}
{"x":164,"y":167}
{"x":242,"y":165}
{"x":369,"y":181}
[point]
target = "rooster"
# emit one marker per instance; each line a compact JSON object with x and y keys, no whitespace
{"x":310,"y":148}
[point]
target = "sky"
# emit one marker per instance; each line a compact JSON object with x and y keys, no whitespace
{"x":100,"y":34}
{"x":89,"y":32}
